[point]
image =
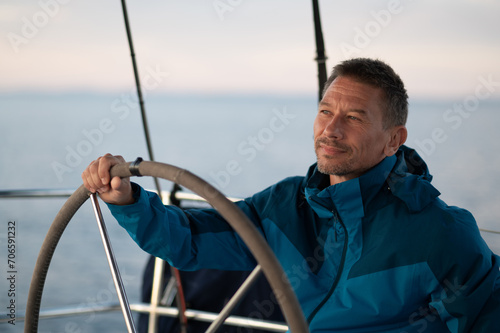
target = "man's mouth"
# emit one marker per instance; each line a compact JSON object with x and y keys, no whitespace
{"x":331,"y":149}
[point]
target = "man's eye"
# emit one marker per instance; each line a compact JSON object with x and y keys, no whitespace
{"x":353,"y":118}
{"x":325,"y":112}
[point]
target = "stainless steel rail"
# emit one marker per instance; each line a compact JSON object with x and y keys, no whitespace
{"x":161,"y":311}
{"x":66,"y":193}
{"x":37,"y":193}
{"x":67,"y":311}
{"x":210,"y":317}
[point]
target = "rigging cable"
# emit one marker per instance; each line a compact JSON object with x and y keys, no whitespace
{"x":181,"y":302}
{"x":320,"y":49}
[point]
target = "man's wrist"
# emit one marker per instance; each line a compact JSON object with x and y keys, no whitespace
{"x":133,"y":196}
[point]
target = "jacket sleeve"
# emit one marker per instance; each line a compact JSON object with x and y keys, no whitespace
{"x":469,"y":299}
{"x":489,"y":317}
{"x":186,"y":239}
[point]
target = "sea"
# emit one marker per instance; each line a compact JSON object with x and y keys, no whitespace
{"x":239,"y":143}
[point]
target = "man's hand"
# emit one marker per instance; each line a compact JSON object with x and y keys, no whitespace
{"x":96,"y":178}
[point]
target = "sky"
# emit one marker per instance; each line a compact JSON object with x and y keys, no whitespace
{"x":441,"y":49}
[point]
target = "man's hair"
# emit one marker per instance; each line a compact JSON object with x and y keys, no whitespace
{"x":379,"y":74}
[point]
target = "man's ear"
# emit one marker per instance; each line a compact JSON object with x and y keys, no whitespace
{"x":398,"y":135}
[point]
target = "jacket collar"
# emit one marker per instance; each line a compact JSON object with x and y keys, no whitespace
{"x":410,"y":180}
{"x":405,"y":173}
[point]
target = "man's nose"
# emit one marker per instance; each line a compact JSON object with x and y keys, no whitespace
{"x":334,"y":128}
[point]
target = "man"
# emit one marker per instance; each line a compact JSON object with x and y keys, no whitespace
{"x":363,"y":238}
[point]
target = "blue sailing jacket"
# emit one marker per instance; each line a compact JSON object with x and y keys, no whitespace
{"x":378,"y":253}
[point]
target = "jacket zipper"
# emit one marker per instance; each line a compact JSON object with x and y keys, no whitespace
{"x":335,"y":230}
{"x":339,"y":272}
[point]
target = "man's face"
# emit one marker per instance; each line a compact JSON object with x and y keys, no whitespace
{"x":349,"y":134}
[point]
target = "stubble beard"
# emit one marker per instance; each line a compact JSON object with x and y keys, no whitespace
{"x":328,"y":164}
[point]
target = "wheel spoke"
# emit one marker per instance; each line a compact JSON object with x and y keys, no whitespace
{"x":113,"y":266}
{"x":233,"y":302}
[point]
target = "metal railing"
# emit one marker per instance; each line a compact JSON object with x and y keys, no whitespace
{"x":173,"y":312}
